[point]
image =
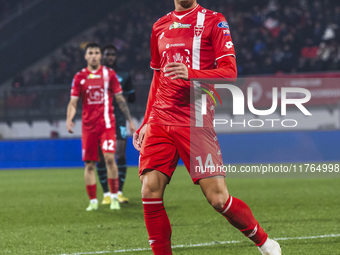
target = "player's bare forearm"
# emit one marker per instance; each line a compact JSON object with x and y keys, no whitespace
{"x":71,"y":112}
{"x":71,"y":109}
{"x":123,"y":106}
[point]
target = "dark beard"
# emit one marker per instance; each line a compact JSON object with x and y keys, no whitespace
{"x":94,"y":67}
{"x":186,"y":4}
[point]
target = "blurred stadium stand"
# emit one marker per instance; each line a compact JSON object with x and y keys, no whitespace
{"x":270,"y":36}
{"x":42,"y":42}
{"x":9,"y":10}
{"x":44,"y":27}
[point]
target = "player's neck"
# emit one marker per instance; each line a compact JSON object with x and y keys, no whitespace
{"x":181,"y":9}
{"x":93,"y":68}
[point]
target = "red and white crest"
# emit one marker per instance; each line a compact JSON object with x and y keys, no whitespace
{"x":199,"y":30}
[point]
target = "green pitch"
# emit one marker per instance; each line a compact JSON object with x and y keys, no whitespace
{"x":43,"y":212}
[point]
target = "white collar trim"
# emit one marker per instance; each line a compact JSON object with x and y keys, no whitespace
{"x":181,"y":16}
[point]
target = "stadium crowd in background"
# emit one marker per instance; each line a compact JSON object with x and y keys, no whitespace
{"x":272,"y":36}
{"x":10,"y":7}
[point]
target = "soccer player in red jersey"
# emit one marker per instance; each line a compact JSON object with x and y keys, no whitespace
{"x":188,"y":43}
{"x":97,"y":85}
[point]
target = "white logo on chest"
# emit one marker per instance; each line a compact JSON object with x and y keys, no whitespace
{"x":178,"y":58}
{"x":95,"y":95}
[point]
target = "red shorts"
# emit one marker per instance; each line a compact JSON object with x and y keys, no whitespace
{"x":163,"y":145}
{"x":90,"y":141}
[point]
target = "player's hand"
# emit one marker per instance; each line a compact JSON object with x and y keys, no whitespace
{"x":132,"y":127}
{"x":135,"y":141}
{"x":177,"y":71}
{"x":138,"y":139}
{"x":69,"y":126}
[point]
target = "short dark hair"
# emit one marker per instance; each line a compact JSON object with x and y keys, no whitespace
{"x":109,"y":47}
{"x":92,"y":45}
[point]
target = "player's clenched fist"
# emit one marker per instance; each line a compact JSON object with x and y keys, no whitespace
{"x":177,"y":71}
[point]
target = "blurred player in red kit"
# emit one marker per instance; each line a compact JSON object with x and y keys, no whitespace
{"x":188,"y":43}
{"x":97,"y":85}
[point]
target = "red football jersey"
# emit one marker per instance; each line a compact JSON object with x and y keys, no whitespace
{"x":96,"y":90}
{"x":197,"y":38}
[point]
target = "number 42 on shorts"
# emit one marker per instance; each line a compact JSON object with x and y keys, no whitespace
{"x":108,"y":145}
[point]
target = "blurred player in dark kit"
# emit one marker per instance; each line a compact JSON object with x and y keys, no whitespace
{"x":110,"y":60}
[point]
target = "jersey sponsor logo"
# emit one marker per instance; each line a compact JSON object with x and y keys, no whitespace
{"x":175,"y":45}
{"x":95,"y":95}
{"x":94,"y":76}
{"x":226,"y":32}
{"x":176,"y":25}
{"x":199,"y":30}
{"x":223,"y":24}
{"x":178,"y":58}
{"x":229,"y":44}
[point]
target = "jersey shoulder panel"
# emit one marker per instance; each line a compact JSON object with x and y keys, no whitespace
{"x":208,"y":12}
{"x":77,"y":75}
{"x":214,"y":16}
{"x":158,"y":25}
{"x":75,"y":79}
{"x":82,"y":74}
{"x":163,"y":19}
{"x":221,"y":21}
